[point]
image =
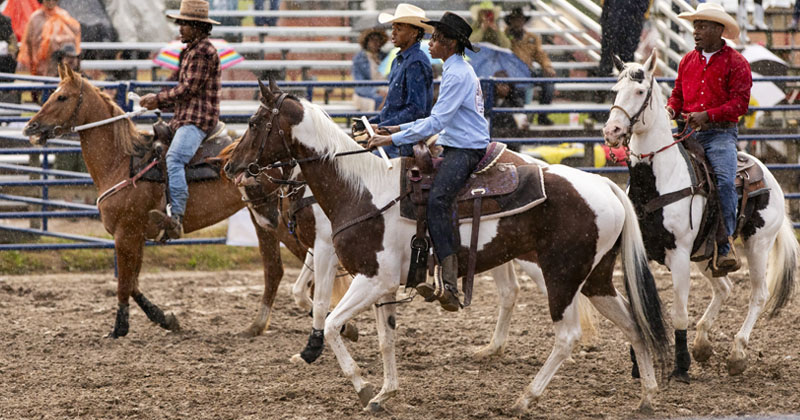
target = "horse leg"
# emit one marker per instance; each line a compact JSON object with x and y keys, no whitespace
{"x":702,"y":349}
{"x":302,"y":286}
{"x":363,"y":292}
{"x":325,"y":263}
{"x":757,"y":251}
{"x":567,"y":333}
{"x":617,"y":310}
{"x":507,"y":290}
{"x":386,"y":323}
{"x":678,"y":262}
{"x":270,"y":250}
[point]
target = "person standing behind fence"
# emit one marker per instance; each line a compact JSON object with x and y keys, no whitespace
{"x":9,"y":48}
{"x":528,"y":47}
{"x":365,"y":67}
{"x":49,"y":28}
{"x":410,"y":95}
{"x":196,"y":103}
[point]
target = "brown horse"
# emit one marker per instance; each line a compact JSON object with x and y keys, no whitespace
{"x":107,"y":151}
{"x":575,"y":236}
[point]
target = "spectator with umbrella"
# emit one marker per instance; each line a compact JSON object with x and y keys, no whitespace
{"x":484,"y":25}
{"x":528,"y":47}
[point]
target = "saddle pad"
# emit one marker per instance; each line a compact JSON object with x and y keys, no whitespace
{"x":530,"y":192}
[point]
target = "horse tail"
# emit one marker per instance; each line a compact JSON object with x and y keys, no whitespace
{"x":640,"y":285}
{"x":781,"y":276}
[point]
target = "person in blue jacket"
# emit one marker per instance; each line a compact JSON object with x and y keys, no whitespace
{"x":365,"y":67}
{"x":410,"y":95}
{"x":464,"y":135}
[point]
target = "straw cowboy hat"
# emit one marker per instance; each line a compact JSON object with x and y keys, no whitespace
{"x":715,"y":13}
{"x":406,"y":13}
{"x":196,"y":10}
{"x":484,"y":6}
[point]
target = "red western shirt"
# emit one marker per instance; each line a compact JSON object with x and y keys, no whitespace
{"x":196,"y":97}
{"x":720,"y":86}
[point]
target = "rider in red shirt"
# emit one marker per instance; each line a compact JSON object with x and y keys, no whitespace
{"x":712,"y":91}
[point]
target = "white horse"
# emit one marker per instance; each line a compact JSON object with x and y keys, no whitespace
{"x":573,"y":260}
{"x":657,"y":164}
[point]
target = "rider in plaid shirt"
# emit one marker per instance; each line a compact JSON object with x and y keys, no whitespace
{"x":196,"y":103}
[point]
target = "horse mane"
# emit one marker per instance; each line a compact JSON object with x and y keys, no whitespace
{"x":319,"y":132}
{"x":126,"y":136}
{"x":227,"y":152}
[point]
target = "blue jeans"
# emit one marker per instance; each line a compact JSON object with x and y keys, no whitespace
{"x":184,"y":145}
{"x":453,"y":173}
{"x":720,"y":148}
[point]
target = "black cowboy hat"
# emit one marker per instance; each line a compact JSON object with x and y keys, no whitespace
{"x":455,"y":27}
{"x":516,"y":12}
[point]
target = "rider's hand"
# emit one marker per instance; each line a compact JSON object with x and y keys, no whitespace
{"x":149,"y":101}
{"x":697,"y":120}
{"x":387,"y":130}
{"x":379,"y":140}
{"x":670,"y":112}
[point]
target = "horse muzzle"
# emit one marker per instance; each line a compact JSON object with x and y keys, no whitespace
{"x":614,"y":134}
{"x":37,"y":134}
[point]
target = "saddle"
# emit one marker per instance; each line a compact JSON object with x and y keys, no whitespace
{"x":492,"y":191}
{"x":750,"y":188}
{"x":202,"y":167}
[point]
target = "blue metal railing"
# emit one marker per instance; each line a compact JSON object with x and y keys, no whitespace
{"x":46,"y":85}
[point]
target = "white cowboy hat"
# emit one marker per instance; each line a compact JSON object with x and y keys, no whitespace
{"x":196,"y":10}
{"x":407,"y":13}
{"x":715,"y":13}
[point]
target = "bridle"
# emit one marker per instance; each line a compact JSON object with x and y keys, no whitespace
{"x":253,"y":168}
{"x":59,"y":130}
{"x":632,"y":120}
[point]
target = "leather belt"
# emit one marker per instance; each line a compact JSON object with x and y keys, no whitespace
{"x":722,"y":125}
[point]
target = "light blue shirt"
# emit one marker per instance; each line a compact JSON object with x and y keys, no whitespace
{"x":457,"y":115}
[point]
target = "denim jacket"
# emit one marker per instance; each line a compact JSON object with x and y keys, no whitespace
{"x":361,"y":71}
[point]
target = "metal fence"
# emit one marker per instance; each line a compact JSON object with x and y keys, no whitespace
{"x":49,"y":177}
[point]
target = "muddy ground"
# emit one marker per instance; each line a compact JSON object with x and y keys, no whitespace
{"x":56,"y":363}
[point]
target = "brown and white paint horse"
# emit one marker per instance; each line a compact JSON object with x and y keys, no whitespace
{"x":576,"y":235}
{"x":657,"y":168}
{"x":107,"y":151}
{"x":313,"y":229}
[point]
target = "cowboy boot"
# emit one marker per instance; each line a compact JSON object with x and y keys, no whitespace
{"x":171,"y":225}
{"x":449,"y":297}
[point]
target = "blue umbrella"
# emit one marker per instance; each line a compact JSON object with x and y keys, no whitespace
{"x":491,"y":59}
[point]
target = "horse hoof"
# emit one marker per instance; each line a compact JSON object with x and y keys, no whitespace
{"x":252,"y":331}
{"x":680,"y":375}
{"x":702,"y":353}
{"x":113,"y":334}
{"x":736,"y":367}
{"x":350,"y":332}
{"x":645,"y":408}
{"x":171,"y":323}
{"x":366,"y":394}
{"x":297,"y":359}
{"x":487,"y":353}
{"x":375,"y":407}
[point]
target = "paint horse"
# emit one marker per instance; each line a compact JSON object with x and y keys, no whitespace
{"x":107,"y":150}
{"x":312,"y":229}
{"x":575,"y":234}
{"x":658,"y":167}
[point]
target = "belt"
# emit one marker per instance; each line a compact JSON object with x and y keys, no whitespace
{"x":722,"y":125}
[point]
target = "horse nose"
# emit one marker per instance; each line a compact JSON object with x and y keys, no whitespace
{"x":612,"y":131}
{"x":33,"y":125}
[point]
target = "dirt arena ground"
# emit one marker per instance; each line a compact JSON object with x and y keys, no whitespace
{"x":56,"y":363}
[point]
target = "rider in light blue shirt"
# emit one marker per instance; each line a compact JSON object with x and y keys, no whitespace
{"x":457,"y":115}
{"x":459,"y":112}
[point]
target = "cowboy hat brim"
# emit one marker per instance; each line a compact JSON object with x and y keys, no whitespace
{"x":411,"y":20}
{"x":731,"y":30}
{"x":475,"y":10}
{"x":193,"y":18}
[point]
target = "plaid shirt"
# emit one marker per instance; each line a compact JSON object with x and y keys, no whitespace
{"x":196,"y":97}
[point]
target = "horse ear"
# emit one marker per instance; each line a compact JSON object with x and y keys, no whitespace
{"x":62,"y":73}
{"x":265,"y":93}
{"x":68,"y":73}
{"x":618,"y":63}
{"x":650,"y":64}
{"x":273,"y":85}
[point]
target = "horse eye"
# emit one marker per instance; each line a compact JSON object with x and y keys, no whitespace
{"x":640,"y":91}
{"x":62,"y":98}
